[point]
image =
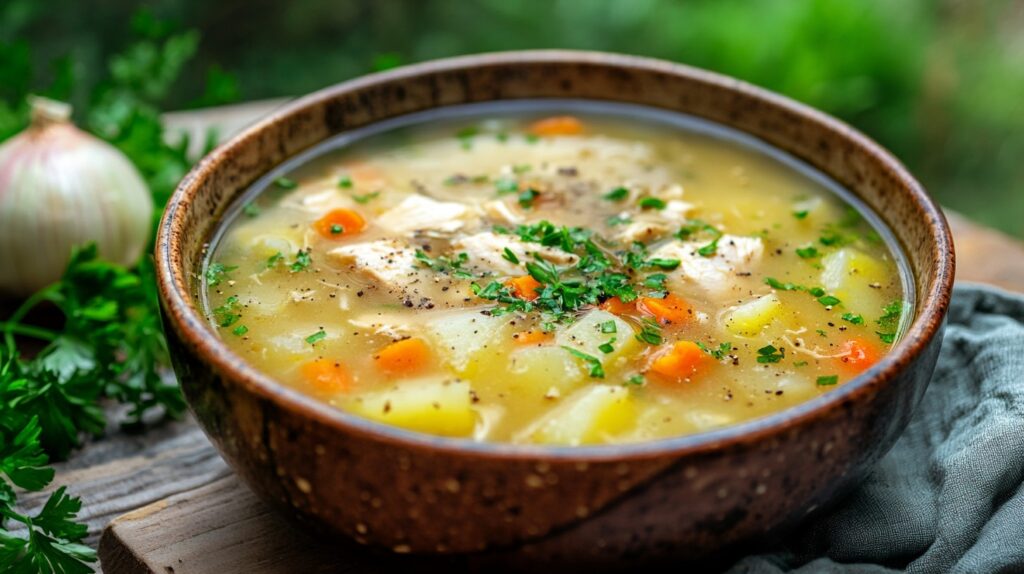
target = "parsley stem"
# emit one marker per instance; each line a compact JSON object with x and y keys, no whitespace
{"x":28,"y":331}
{"x":14,"y":320}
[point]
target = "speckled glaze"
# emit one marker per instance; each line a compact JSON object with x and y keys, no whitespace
{"x":685,"y":497}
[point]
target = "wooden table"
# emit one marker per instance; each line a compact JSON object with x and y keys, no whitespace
{"x":187,"y":513}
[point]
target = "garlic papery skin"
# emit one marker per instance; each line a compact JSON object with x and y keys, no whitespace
{"x":61,"y":188}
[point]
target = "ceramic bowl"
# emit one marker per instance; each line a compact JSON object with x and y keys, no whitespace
{"x":683,"y":497}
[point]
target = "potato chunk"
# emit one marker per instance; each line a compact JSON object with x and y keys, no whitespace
{"x":588,"y":334}
{"x":432,"y":405}
{"x":470,"y":341}
{"x":591,"y":415}
{"x":849,"y":273}
{"x":749,"y":318}
{"x":538,"y":371}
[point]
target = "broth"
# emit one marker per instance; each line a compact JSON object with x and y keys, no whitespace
{"x":578,"y":277}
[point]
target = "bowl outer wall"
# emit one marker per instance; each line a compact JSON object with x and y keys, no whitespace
{"x":417,"y":493}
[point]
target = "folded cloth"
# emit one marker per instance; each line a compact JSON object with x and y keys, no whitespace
{"x":949,"y":497}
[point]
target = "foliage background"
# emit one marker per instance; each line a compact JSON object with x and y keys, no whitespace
{"x":939,"y":82}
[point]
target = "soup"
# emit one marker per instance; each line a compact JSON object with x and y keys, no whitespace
{"x":567,"y":279}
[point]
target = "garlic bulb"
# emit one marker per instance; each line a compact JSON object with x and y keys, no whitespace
{"x":61,"y":188}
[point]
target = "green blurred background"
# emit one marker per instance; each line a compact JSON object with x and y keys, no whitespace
{"x":940,"y":83}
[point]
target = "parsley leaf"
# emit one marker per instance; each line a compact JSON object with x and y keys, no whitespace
{"x":617,"y":194}
{"x":218,"y":272}
{"x":366,"y":198}
{"x":770,"y":354}
{"x":828,"y":380}
{"x":596,"y":370}
{"x":719,"y":353}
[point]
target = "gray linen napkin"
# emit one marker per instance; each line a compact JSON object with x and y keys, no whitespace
{"x":949,"y":497}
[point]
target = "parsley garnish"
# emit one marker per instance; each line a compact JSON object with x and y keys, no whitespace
{"x":652,"y":203}
{"x":337,"y":229}
{"x":802,"y":214}
{"x":695,"y":226}
{"x":596,"y":370}
{"x":510,"y":256}
{"x":366,"y":198}
{"x":608,"y":327}
{"x":448,"y":265}
{"x":770,"y":354}
{"x":829,"y":300}
{"x":889,"y":321}
{"x":617,"y":194}
{"x":302,"y":261}
{"x":853,"y":318}
{"x":273,"y":260}
{"x":799,"y":364}
{"x":719,"y":353}
{"x":666,"y":264}
{"x":315,"y":337}
{"x":635,"y":380}
{"x":650,"y":333}
{"x":506,"y":185}
{"x":226,"y":314}
{"x":285,"y":183}
{"x":828,"y":380}
{"x":808,"y":252}
{"x":776,"y":284}
{"x":240,"y":330}
{"x":251,"y":209}
{"x":218,"y":272}
{"x":345,"y":182}
{"x":526,"y":198}
{"x":607,"y":347}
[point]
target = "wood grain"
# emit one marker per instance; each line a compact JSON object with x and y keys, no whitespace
{"x":186,"y":512}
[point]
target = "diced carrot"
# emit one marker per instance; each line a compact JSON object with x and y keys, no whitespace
{"x":524,"y":287}
{"x":340,"y":223}
{"x":327,"y":376}
{"x":669,"y":310}
{"x":859,"y":355}
{"x":532,"y":337}
{"x":680,"y":361}
{"x":556,"y":126}
{"x":615,"y":306}
{"x":403,"y":357}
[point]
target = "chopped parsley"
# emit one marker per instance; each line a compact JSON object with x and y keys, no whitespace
{"x":526,"y":198}
{"x":694,"y":227}
{"x":889,"y":321}
{"x":240,"y":330}
{"x":779,"y":285}
{"x":650,"y":333}
{"x":799,"y":364}
{"x":828,"y":380}
{"x":770,"y":354}
{"x":829,"y":300}
{"x":273,"y":260}
{"x":302,"y":261}
{"x":510,"y":256}
{"x":337,"y":229}
{"x":853,"y":318}
{"x":635,"y":380}
{"x":802,"y":214}
{"x":719,"y":353}
{"x":315,"y":337}
{"x":285,"y":183}
{"x":251,"y":209}
{"x":506,"y":185}
{"x":218,"y":272}
{"x":808,"y":252}
{"x":617,"y":194}
{"x":366,"y":198}
{"x":608,"y":327}
{"x":666,"y":264}
{"x":596,"y":370}
{"x":227,"y":314}
{"x":607,"y":347}
{"x":345,"y":182}
{"x":449,"y":265}
{"x":652,"y":203}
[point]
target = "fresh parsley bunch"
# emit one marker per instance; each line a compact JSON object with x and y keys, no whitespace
{"x":111,"y":346}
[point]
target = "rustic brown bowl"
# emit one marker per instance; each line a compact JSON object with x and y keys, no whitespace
{"x":680,"y":497}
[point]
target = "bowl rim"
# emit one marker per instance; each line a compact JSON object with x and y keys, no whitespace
{"x":182,"y":312}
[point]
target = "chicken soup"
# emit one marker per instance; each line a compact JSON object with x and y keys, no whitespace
{"x":566,"y":279}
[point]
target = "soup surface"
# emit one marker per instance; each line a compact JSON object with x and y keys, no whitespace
{"x":554,"y":279}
